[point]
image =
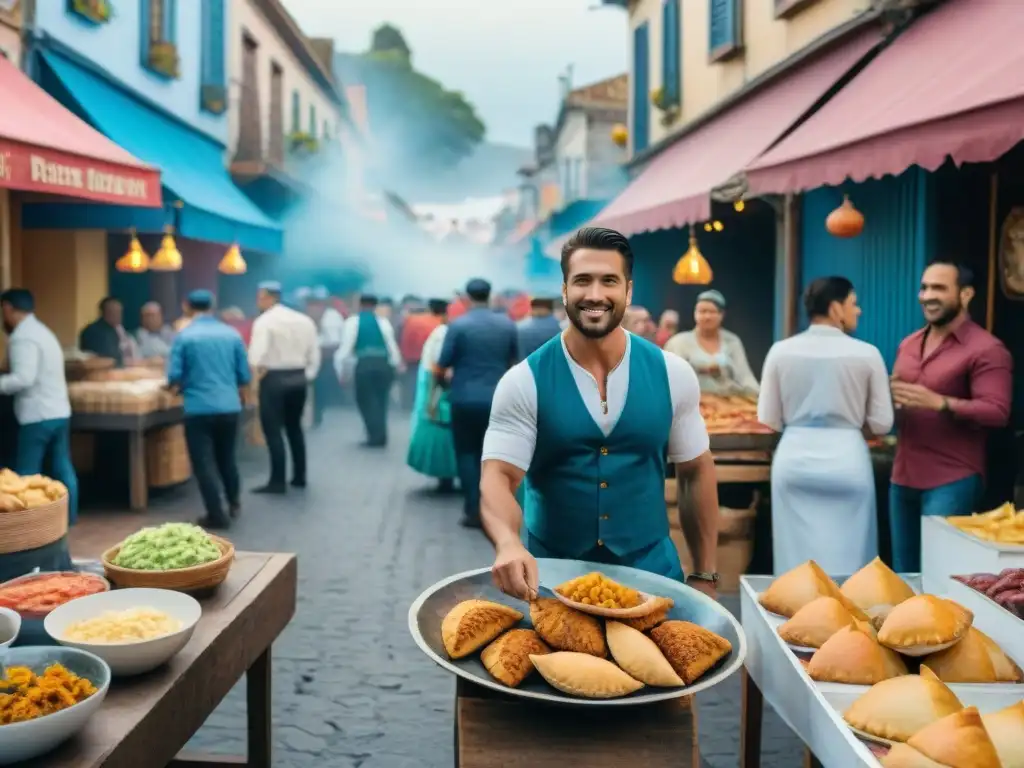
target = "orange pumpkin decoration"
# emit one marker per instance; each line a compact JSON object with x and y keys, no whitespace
{"x":620,"y":135}
{"x":845,"y":221}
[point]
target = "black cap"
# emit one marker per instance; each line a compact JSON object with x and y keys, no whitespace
{"x":437,"y":306}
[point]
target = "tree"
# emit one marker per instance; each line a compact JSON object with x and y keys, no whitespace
{"x":418,"y":124}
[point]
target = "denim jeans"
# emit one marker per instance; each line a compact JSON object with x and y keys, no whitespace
{"x":45,"y":443}
{"x":908,"y":505}
{"x":211,"y":449}
{"x":469,"y":425}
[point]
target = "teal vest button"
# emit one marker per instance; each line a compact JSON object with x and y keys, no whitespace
{"x":585,"y":488}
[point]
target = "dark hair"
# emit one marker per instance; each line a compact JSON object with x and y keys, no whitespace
{"x":481,"y":292}
{"x":438,"y":306}
{"x":964,"y":274}
{"x":539,"y":303}
{"x":368,"y":300}
{"x":822,"y":292}
{"x":201,"y":304}
{"x":599,"y":239}
{"x":20,"y":299}
{"x":107,"y":300}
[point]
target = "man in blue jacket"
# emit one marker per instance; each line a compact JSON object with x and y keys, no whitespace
{"x":585,"y":420}
{"x":208,"y":365}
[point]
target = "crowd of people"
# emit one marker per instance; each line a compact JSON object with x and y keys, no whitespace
{"x":557,"y":413}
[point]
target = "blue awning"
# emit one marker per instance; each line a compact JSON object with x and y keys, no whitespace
{"x":191,"y":165}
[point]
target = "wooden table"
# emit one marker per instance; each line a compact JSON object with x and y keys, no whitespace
{"x":146,"y":721}
{"x":493,"y":730}
{"x":136,"y":425}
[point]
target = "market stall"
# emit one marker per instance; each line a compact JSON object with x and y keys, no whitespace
{"x":827,"y":654}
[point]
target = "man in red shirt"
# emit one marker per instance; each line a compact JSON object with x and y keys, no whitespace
{"x":951,"y":384}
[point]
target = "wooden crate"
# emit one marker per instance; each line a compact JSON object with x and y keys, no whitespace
{"x":493,"y":730}
{"x":167,"y":461}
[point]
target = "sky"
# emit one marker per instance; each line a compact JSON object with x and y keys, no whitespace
{"x":505,"y":55}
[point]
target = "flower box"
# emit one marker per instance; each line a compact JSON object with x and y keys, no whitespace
{"x":93,"y":11}
{"x":163,"y":58}
{"x":213,"y":99}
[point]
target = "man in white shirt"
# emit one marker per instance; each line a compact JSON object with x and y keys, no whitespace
{"x":285,"y":353}
{"x":368,"y":343}
{"x":585,"y":421}
{"x":329,"y":325}
{"x":41,"y":404}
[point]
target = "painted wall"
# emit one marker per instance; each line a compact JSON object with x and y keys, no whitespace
{"x":767,"y":41}
{"x":588,"y":160}
{"x":10,"y":29}
{"x":117,"y":47}
{"x":244,"y":18}
{"x":571,"y":156}
{"x":605,"y":175}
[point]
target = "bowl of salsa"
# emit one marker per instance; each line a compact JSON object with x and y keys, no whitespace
{"x":35,"y":595}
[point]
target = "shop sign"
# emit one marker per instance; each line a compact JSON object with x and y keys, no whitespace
{"x":35,"y":169}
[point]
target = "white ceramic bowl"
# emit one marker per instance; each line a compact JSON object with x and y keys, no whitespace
{"x":131,"y":658}
{"x":10,"y":627}
{"x":24,"y":741}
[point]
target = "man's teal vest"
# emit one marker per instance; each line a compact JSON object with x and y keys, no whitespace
{"x":586,"y":490}
{"x":370,"y":341}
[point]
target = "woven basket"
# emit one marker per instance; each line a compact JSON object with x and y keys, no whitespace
{"x":194,"y":579}
{"x":33,"y":528}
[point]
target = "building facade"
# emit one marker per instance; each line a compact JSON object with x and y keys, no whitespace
{"x":10,"y":29}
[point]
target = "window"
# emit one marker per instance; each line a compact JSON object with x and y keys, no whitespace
{"x":327,"y":131}
{"x":276,"y":138}
{"x":296,"y":113}
{"x":725,"y":29}
{"x":671,"y":60}
{"x":641,"y":88}
{"x":214,"y":82}
{"x":159,"y":37}
{"x":312,"y":120}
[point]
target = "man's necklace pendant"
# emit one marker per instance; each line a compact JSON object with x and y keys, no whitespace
{"x":604,"y":407}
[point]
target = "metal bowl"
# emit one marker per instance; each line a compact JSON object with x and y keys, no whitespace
{"x":430,"y":608}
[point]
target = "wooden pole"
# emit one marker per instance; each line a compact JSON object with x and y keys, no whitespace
{"x":993,"y":251}
{"x":791,"y":265}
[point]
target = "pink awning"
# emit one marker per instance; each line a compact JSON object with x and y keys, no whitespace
{"x":952,"y":85}
{"x":674,"y":189}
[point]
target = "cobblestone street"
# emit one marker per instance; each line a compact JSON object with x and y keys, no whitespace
{"x":350,"y":687}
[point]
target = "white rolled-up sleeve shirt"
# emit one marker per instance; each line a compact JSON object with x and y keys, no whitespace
{"x":512,"y":431}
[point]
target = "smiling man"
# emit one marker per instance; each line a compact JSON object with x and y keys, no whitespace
{"x":585,"y":422}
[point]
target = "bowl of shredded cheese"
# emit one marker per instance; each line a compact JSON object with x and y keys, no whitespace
{"x":133,"y":630}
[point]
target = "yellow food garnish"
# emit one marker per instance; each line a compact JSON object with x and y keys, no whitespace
{"x":598,"y":590}
{"x":37,"y":695}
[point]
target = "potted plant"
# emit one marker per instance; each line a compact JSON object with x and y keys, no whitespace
{"x":301,"y":142}
{"x":669,"y":112}
{"x":94,"y":11}
{"x":163,"y":58}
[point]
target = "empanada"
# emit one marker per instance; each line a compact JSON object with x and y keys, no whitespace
{"x":10,"y":503}
{"x":689,"y":648}
{"x":472,"y":624}
{"x":508,"y":657}
{"x":1006,"y":729}
{"x":876,"y":589}
{"x":816,"y":622}
{"x":581,"y":674}
{"x":639,"y":656}
{"x":853,"y":656}
{"x":653,"y":619}
{"x":975,"y":659}
{"x":958,"y":740}
{"x":797,"y":587}
{"x":897,"y":708}
{"x":924,"y":624}
{"x":565,"y":629}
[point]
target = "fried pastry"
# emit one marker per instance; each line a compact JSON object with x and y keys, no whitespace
{"x":876,"y":589}
{"x":581,"y":674}
{"x":975,"y":659}
{"x":507,"y":659}
{"x":689,"y":648}
{"x":472,"y":624}
{"x":1006,"y":729}
{"x":924,"y":624}
{"x":639,"y":656}
{"x":816,"y":622}
{"x":854,"y":656}
{"x":653,"y":619}
{"x":797,"y":587}
{"x":958,"y":740}
{"x":897,"y":708}
{"x":565,"y":629}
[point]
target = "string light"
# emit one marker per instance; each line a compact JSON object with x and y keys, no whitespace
{"x":738,"y":206}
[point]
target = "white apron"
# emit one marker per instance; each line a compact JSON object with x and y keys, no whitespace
{"x":823,"y":500}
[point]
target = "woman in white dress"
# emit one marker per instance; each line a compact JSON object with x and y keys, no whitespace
{"x":825,"y":391}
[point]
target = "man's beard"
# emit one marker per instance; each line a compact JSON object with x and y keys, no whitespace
{"x":949,"y":314}
{"x":609,"y":321}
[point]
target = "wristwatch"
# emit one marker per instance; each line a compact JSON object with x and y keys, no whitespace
{"x":705,"y":576}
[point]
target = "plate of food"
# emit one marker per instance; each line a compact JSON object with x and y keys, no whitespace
{"x":549,"y":650}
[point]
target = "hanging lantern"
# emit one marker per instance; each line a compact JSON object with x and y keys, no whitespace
{"x":168,"y":258}
{"x":232,"y":263}
{"x":845,"y":221}
{"x":135,"y":260}
{"x":692,"y":268}
{"x":620,"y":134}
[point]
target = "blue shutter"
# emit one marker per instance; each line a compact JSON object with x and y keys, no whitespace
{"x":170,"y":22}
{"x":213,"y":42}
{"x":641,"y":89}
{"x":671,"y":60}
{"x":724,"y":33}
